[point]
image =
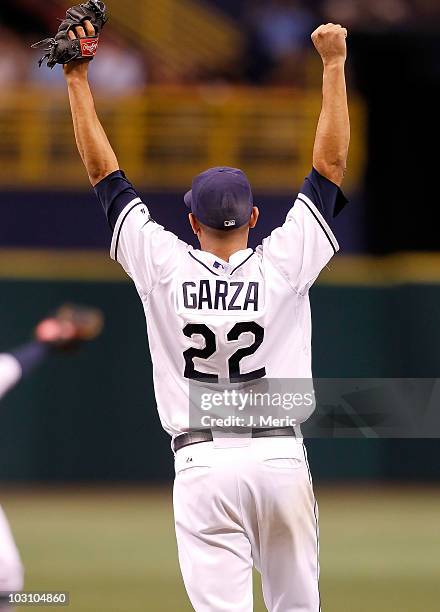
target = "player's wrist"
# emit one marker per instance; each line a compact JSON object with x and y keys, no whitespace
{"x":76,"y":71}
{"x":334,"y":63}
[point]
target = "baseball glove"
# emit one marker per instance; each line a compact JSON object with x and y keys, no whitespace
{"x":70,"y":326}
{"x":61,"y":49}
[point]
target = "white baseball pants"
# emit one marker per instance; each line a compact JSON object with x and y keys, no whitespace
{"x":242,"y":506}
{"x":11,"y":569}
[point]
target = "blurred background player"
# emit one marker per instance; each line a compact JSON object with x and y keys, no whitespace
{"x":67,"y":329}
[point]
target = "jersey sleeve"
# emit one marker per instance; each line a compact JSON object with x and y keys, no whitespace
{"x":10,"y":373}
{"x":304,"y":245}
{"x":144,"y":248}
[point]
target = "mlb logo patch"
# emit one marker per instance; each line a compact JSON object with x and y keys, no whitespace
{"x":230,"y":223}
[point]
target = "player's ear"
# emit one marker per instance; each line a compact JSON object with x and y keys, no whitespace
{"x":254,"y":217}
{"x":195,"y":226}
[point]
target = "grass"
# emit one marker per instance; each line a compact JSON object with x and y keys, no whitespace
{"x":114,"y":549}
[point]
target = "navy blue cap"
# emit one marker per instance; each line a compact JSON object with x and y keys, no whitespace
{"x":221,"y":198}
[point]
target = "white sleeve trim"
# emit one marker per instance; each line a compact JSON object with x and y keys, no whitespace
{"x":118,"y":227}
{"x":320,"y":219}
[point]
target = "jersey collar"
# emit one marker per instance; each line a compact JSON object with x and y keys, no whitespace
{"x":219,"y":266}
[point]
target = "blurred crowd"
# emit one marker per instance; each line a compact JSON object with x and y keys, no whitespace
{"x":277,"y":46}
{"x":122,"y":68}
{"x":279,"y":30}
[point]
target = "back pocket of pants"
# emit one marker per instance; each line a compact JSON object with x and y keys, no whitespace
{"x":283,"y":463}
{"x":186,"y":464}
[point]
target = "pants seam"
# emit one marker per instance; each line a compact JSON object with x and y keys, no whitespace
{"x":315,"y":505}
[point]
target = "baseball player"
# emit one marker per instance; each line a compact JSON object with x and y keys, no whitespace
{"x":242,"y":498}
{"x":69,"y":327}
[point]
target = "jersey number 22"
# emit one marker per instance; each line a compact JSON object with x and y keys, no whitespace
{"x":235,"y":376}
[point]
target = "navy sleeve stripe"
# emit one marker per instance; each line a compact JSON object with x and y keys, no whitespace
{"x":335,"y":249}
{"x":325,"y":195}
{"x":31,"y":355}
{"x":114,"y":193}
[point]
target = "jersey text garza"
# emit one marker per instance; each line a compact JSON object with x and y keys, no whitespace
{"x":220,"y":295}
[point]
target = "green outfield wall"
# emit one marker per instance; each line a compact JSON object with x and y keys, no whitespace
{"x":91,"y":415}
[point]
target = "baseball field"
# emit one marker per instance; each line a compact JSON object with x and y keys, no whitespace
{"x":113,"y":549}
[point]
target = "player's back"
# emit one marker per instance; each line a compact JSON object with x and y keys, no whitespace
{"x":211,"y":320}
{"x":214,"y":321}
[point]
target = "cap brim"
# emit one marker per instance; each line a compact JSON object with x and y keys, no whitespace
{"x":188,"y":199}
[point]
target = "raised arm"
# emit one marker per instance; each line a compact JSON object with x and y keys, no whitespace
{"x":93,"y":145}
{"x":333,"y":133}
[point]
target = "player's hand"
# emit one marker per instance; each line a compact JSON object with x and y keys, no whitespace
{"x":70,"y":326}
{"x":330,"y":41}
{"x":79,"y":67}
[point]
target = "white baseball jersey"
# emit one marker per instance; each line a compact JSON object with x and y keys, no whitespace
{"x":210,"y":319}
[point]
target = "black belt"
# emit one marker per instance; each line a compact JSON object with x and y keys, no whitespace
{"x":199,"y":436}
